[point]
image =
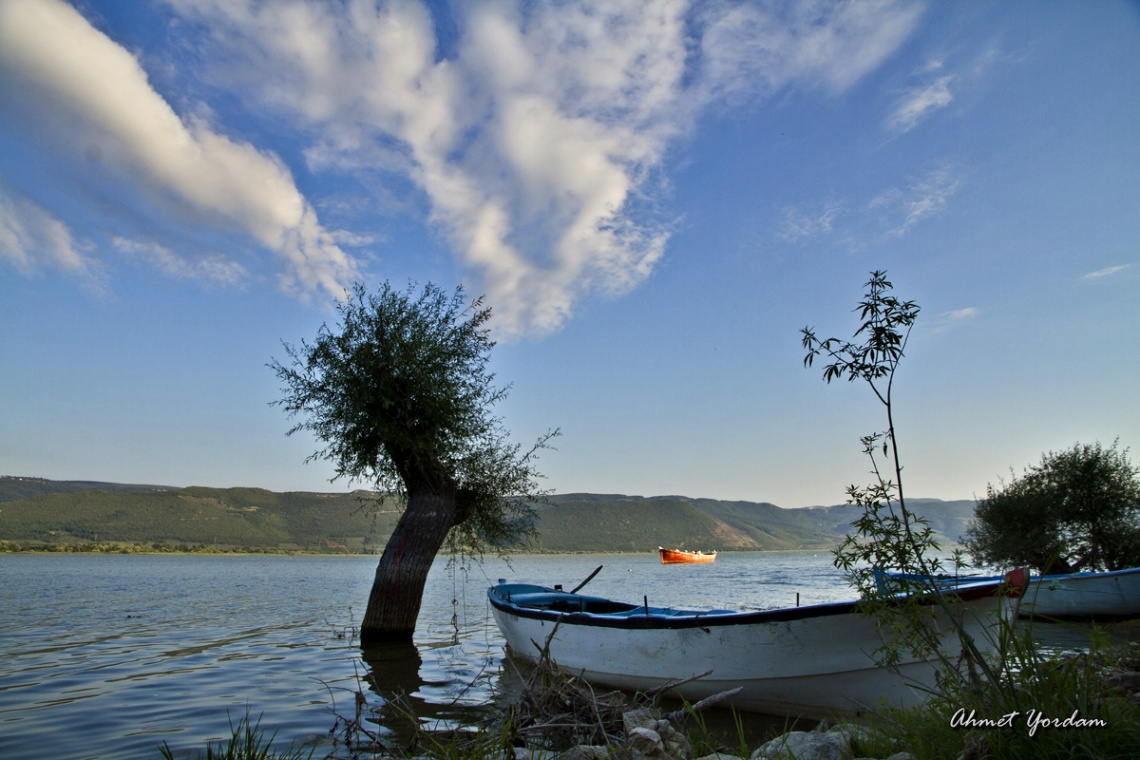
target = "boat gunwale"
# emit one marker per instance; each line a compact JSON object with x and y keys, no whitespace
{"x":1033,"y":578}
{"x":681,"y":619}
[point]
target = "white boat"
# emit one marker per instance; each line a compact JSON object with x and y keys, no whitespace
{"x":812,"y":662}
{"x":1075,"y":596}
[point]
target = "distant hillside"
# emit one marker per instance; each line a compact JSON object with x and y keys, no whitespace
{"x":947,"y":518}
{"x":610,"y":522}
{"x":34,"y":510}
{"x":635,"y":523}
{"x":173,"y":517}
{"x":14,"y":488}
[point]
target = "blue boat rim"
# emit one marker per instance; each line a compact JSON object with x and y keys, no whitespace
{"x":542,"y":603}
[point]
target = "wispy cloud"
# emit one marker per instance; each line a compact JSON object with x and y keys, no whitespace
{"x":534,"y":132}
{"x":920,"y":102}
{"x":800,"y":224}
{"x":538,"y":133}
{"x":1106,"y":272}
{"x":752,"y":49}
{"x":74,"y":85}
{"x":949,"y":319}
{"x":927,"y":196}
{"x":215,"y":270}
{"x":32,"y":239}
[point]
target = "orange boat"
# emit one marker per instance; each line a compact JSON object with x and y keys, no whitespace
{"x":671,"y":556}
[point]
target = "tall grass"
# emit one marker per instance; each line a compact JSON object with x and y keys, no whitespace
{"x":248,"y":741}
{"x":1043,"y":705}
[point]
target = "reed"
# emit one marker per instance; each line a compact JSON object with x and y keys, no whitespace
{"x":1044,"y":705}
{"x":248,"y":741}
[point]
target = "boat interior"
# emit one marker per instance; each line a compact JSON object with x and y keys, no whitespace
{"x":556,"y":600}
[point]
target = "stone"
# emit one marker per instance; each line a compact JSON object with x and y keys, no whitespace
{"x":641,"y":718}
{"x":806,"y":745}
{"x":854,"y":733}
{"x":585,"y":752}
{"x":678,"y":748}
{"x":646,"y":741}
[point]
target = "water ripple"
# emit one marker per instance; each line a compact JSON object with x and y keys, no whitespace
{"x":109,"y":656}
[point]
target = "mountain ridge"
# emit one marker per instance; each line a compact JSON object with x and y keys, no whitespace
{"x":37,"y":512}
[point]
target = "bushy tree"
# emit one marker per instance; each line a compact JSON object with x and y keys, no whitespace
{"x":400,"y":396}
{"x":1079,"y":509}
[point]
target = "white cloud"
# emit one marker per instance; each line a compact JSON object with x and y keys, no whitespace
{"x":950,"y":319}
{"x":920,"y":102}
{"x":1106,"y":272}
{"x":925,"y":197}
{"x":800,"y":224}
{"x":75,"y":83}
{"x":959,"y":315}
{"x":751,"y":47}
{"x":31,"y":238}
{"x":535,"y":137}
{"x":534,"y":134}
{"x":215,"y":270}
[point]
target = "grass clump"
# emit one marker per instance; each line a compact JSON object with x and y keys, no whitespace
{"x":248,"y":741}
{"x":1069,"y":706}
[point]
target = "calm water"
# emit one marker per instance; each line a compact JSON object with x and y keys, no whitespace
{"x":109,"y":656}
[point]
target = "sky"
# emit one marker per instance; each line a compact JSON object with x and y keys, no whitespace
{"x":654,"y":198}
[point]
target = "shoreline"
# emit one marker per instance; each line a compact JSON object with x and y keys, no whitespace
{"x":6,"y":547}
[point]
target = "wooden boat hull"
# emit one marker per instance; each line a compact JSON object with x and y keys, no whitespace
{"x":678,"y":556}
{"x":812,"y":662}
{"x":1077,"y":596}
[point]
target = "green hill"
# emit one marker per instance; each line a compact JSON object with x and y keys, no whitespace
{"x":173,"y":517}
{"x":36,"y":512}
{"x":578,"y":522}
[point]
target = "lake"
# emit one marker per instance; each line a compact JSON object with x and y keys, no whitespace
{"x":108,"y":656}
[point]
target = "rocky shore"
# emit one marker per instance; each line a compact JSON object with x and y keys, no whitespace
{"x":649,"y":735}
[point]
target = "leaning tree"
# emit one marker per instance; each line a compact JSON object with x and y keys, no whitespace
{"x":400,"y":396}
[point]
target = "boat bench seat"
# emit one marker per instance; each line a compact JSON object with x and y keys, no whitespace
{"x":669,"y":612}
{"x":560,"y":601}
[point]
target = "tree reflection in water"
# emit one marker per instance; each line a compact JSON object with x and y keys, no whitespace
{"x":409,"y":703}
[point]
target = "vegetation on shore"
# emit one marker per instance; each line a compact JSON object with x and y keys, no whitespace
{"x":44,"y":515}
{"x":1078,"y":510}
{"x":1075,"y":705}
{"x":399,"y":395}
{"x":985,"y":681}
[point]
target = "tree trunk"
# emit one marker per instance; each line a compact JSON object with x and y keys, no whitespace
{"x":398,"y":588}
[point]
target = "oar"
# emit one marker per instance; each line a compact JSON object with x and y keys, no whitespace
{"x":589,"y":578}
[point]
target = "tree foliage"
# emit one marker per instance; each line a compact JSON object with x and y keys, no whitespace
{"x":400,"y":395}
{"x":1079,"y":509}
{"x":887,"y":533}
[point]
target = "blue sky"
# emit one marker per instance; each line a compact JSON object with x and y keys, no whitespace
{"x":654,"y":199}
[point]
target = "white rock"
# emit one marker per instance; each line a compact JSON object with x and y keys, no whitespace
{"x":678,"y":747}
{"x":641,"y":718}
{"x":646,"y":741}
{"x":585,"y":752}
{"x":854,"y":733}
{"x":806,"y":745}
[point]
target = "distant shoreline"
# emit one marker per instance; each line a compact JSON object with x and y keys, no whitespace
{"x":112,"y":548}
